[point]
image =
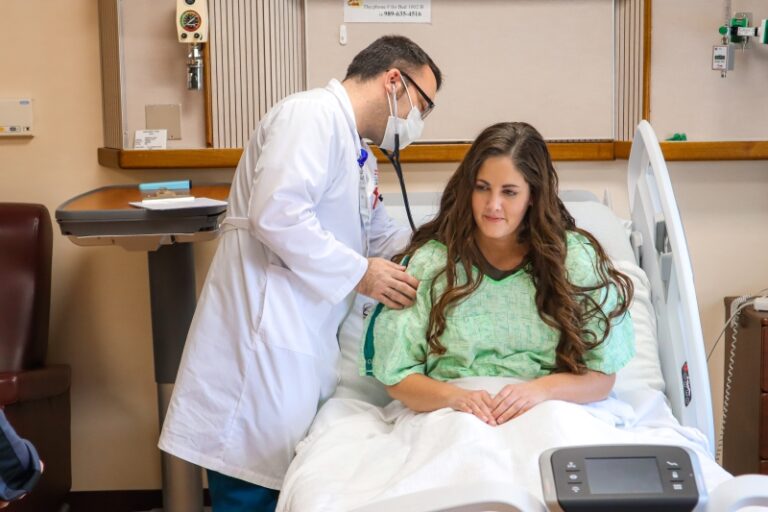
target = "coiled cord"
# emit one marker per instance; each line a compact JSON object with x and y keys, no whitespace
{"x":733,"y":322}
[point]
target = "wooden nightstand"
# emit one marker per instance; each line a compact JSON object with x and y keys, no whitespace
{"x":745,"y":444}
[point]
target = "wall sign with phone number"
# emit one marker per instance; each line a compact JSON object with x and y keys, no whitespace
{"x":386,"y":11}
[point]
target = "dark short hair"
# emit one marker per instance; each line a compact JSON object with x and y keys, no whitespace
{"x":389,"y":52}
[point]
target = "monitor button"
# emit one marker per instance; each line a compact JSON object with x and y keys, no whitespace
{"x":677,"y":487}
{"x":574,"y":477}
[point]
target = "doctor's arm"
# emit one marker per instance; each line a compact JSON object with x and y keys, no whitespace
{"x":292,"y":180}
{"x":386,"y":282}
{"x":297,"y":169}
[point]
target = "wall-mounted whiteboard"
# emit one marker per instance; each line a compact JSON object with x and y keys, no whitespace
{"x":547,"y":62}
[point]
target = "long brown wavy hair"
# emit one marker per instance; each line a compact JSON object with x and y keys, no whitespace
{"x":561,"y":304}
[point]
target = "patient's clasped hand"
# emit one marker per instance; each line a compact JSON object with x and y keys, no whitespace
{"x":509,"y":287}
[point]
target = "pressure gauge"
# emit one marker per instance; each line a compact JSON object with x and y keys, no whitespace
{"x":190,"y":21}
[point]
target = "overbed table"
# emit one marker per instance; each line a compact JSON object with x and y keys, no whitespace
{"x":104,"y":217}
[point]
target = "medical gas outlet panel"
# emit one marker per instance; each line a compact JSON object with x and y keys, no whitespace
{"x":736,"y":33}
{"x":192,"y":28}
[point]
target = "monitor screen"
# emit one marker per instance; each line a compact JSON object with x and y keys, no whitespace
{"x":623,"y":476}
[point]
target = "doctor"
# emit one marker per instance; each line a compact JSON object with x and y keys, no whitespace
{"x":307,"y":230}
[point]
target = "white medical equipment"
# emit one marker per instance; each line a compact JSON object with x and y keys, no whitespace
{"x":192,"y":28}
{"x":668,"y":310}
{"x":622,"y":477}
{"x":16,"y":119}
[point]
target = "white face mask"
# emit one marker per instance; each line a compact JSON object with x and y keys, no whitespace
{"x":409,"y":129}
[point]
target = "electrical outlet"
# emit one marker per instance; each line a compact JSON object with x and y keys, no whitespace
{"x":16,"y":117}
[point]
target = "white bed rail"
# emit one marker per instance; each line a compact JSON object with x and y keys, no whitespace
{"x":662,"y":251}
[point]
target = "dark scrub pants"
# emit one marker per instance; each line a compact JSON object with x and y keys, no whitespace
{"x":232,"y":495}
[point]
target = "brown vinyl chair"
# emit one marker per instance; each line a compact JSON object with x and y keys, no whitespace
{"x":33,"y":395}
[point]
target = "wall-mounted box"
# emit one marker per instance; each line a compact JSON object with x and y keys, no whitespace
{"x":16,"y":117}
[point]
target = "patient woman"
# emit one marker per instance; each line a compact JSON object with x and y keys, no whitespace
{"x":509,"y":287}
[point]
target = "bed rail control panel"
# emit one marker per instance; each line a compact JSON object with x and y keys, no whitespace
{"x":622,"y":477}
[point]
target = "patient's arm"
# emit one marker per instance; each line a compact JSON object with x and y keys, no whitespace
{"x":515,"y":399}
{"x":425,"y":394}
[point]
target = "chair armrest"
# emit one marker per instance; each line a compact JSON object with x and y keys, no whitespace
{"x":485,"y":496}
{"x":742,"y":491}
{"x":35,"y":384}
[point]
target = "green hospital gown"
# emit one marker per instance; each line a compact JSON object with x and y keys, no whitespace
{"x":496,"y":331}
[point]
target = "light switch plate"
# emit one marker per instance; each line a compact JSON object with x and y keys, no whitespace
{"x":16,"y":117}
{"x":164,"y":117}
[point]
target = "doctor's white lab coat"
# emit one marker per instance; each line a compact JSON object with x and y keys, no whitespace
{"x":262,"y":351}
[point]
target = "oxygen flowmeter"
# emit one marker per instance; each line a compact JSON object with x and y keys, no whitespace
{"x":736,"y":33}
{"x":192,"y":28}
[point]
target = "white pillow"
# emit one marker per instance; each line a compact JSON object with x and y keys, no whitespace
{"x":610,"y":230}
{"x":644,"y":370}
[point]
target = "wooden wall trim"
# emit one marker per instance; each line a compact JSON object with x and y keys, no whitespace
{"x":730,"y":150}
{"x":647,"y":31}
{"x":417,"y":153}
{"x":208,"y":105}
{"x":428,"y":153}
{"x":441,"y":153}
{"x":169,"y":158}
{"x":621,"y":149}
{"x":581,"y":151}
{"x":703,"y":151}
{"x":109,"y":157}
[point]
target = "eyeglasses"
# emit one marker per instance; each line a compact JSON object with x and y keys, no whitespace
{"x":430,"y":103}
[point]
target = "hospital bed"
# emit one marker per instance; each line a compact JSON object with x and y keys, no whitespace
{"x":662,"y":396}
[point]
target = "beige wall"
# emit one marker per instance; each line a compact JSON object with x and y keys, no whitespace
{"x":155,"y":70}
{"x":100,"y":307}
{"x":489,"y":51}
{"x":100,"y":311}
{"x":686,"y":95}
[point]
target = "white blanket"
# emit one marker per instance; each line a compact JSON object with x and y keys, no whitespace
{"x":357,"y":453}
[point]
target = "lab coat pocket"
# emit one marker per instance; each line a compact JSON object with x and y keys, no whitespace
{"x":293,"y":317}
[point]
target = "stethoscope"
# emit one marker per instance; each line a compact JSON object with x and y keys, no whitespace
{"x":394,"y":159}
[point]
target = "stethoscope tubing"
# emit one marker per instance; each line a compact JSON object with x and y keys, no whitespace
{"x":394,"y":159}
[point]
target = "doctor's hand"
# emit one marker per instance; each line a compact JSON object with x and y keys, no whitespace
{"x":516,"y":399}
{"x":388,"y":283}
